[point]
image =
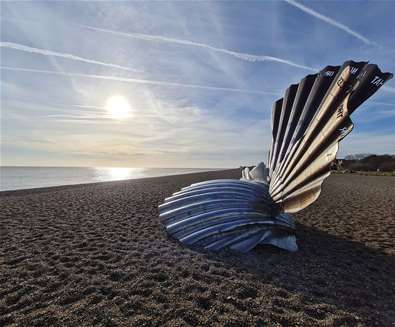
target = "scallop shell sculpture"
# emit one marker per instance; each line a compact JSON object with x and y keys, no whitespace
{"x":307,"y":125}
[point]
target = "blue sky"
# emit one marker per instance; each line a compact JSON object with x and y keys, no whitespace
{"x":200,"y":78}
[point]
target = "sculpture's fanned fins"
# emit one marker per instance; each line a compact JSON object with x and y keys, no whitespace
{"x":322,"y":159}
{"x":317,"y":93}
{"x":368,"y":82}
{"x":226,"y":213}
{"x":311,"y":153}
{"x":307,"y":125}
{"x":304,"y":89}
{"x":287,"y":103}
{"x":276,"y":113}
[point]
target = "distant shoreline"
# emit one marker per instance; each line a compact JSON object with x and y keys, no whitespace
{"x":93,"y":184}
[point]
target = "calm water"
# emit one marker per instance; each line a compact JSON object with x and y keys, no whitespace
{"x":16,"y":178}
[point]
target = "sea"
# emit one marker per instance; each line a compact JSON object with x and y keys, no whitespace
{"x":17,"y":178}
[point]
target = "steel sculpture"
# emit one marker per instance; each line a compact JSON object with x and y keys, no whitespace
{"x":307,"y":125}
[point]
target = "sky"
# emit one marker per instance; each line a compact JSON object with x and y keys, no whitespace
{"x":199,"y":78}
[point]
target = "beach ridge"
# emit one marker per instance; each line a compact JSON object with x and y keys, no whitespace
{"x":97,"y":254}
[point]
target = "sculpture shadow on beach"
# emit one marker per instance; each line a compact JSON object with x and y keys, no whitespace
{"x":327,"y":270}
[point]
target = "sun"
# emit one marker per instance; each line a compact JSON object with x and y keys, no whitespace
{"x":118,"y":107}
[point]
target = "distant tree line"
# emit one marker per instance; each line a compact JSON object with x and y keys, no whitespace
{"x":357,"y":156}
{"x":366,"y":162}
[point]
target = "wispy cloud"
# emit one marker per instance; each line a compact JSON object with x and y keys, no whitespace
{"x":55,"y":113}
{"x":138,"y":81}
{"x":388,"y":89}
{"x":380,"y":103}
{"x":368,"y":142}
{"x":46,"y":52}
{"x":238,"y":55}
{"x":331,"y":21}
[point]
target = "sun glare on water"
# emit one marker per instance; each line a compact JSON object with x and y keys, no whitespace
{"x":118,"y":107}
{"x":118,"y":173}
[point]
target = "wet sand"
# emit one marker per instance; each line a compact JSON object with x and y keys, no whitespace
{"x":97,"y":255}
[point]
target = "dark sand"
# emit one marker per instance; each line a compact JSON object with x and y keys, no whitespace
{"x":98,"y":255}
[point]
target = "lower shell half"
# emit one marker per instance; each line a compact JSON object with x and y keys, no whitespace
{"x":226,"y":213}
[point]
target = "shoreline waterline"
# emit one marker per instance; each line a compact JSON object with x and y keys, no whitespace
{"x":108,"y":182}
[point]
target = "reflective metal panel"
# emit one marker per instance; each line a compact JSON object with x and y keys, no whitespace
{"x":307,"y":125}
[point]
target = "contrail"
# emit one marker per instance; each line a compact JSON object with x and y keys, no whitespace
{"x":45,"y":52}
{"x":138,"y":81}
{"x":331,"y":21}
{"x":239,"y":55}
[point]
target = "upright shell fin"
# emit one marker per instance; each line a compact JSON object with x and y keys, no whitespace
{"x":317,"y":119}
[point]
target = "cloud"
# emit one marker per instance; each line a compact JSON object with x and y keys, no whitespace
{"x":160,"y":130}
{"x":380,"y":103}
{"x":46,"y":52}
{"x":388,"y":89}
{"x":367,"y":143}
{"x":238,"y":55}
{"x":219,"y":117}
{"x":331,"y":21}
{"x":138,"y":81}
